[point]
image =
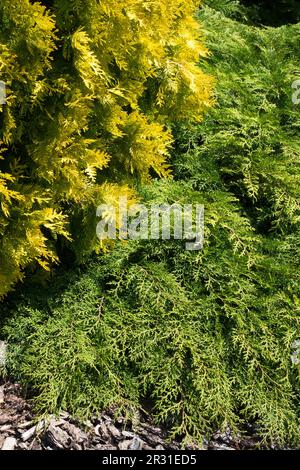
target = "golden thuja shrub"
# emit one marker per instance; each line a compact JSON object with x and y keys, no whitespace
{"x":92,"y":88}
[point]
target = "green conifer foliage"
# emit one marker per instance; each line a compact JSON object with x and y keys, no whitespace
{"x":253,"y":132}
{"x":91,"y":89}
{"x":206,"y":337}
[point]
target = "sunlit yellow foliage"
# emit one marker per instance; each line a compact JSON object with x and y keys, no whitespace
{"x":92,"y":90}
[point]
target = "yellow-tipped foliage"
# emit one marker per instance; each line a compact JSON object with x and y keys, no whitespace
{"x":92,"y":88}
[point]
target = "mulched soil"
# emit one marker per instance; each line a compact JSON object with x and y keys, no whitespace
{"x":20,"y":430}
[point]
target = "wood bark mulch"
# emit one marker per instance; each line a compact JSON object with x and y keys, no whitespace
{"x":20,"y":430}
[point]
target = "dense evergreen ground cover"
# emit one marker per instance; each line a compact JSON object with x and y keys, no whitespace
{"x":206,"y":337}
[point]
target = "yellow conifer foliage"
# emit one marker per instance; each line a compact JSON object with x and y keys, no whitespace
{"x":92,"y":88}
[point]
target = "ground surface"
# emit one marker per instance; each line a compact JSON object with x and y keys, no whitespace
{"x":20,"y":430}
